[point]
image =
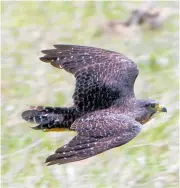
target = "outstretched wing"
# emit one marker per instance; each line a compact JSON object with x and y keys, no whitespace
{"x":97,"y":132}
{"x":102,"y":76}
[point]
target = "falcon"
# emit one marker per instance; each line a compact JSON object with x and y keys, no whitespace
{"x":105,"y":112}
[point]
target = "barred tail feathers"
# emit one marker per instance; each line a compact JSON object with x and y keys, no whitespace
{"x":50,"y":118}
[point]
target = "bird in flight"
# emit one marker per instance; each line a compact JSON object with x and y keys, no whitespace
{"x":105,"y":112}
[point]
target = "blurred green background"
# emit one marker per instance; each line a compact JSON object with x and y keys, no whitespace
{"x":151,"y":159}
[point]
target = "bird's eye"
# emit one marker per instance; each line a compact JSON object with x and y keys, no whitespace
{"x":153,"y":105}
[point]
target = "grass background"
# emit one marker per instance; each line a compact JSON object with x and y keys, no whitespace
{"x":150,"y":160}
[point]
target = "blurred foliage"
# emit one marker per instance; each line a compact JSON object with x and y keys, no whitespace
{"x":150,"y":160}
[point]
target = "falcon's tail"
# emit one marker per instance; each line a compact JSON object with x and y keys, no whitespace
{"x":50,"y":118}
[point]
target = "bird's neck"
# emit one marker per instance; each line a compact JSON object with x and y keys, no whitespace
{"x":125,"y":101}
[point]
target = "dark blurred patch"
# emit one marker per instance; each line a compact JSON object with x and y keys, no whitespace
{"x":153,"y":18}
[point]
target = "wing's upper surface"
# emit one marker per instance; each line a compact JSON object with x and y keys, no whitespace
{"x":74,"y":57}
{"x":102,"y":76}
{"x":97,"y":132}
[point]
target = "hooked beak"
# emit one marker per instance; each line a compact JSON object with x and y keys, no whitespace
{"x":160,"y":108}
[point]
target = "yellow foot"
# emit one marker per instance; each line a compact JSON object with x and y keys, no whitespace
{"x":56,"y":130}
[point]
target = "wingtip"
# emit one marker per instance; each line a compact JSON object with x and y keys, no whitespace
{"x":60,"y":45}
{"x":50,"y":158}
{"x":64,"y":46}
{"x":44,"y":59}
{"x":43,"y":51}
{"x":48,"y":161}
{"x":55,"y":162}
{"x":51,"y":163}
{"x":56,"y":45}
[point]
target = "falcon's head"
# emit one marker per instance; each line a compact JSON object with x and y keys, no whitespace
{"x":155,"y":107}
{"x":146,"y":109}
